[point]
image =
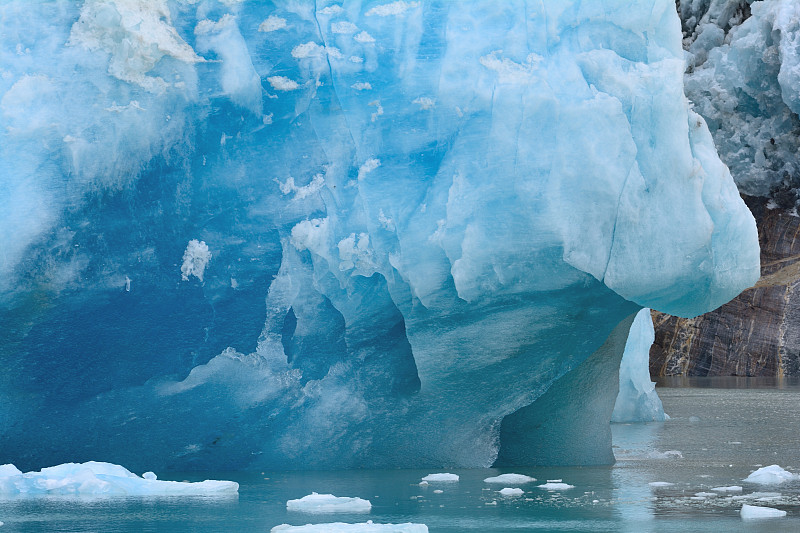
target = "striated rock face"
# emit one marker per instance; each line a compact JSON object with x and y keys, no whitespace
{"x":757,"y":333}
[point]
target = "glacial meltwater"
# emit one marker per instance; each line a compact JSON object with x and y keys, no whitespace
{"x":685,"y":474}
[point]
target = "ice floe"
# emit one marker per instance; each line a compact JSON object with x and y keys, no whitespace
{"x":441,"y":477}
{"x":328,"y":503}
{"x":101,"y":479}
{"x":770,"y":475}
{"x":510,"y":479}
{"x":509,"y":491}
{"x":340,"y":527}
{"x":754,"y":512}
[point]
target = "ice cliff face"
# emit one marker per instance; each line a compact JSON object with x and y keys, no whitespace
{"x":453,"y":211}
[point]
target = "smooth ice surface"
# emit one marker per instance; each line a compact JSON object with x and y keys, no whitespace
{"x":770,"y":475}
{"x":637,"y":400}
{"x":328,"y":503}
{"x":101,"y":479}
{"x":514,"y":479}
{"x":754,"y":512}
{"x":303,"y":235}
{"x":440,"y":477}
{"x":366,"y":527}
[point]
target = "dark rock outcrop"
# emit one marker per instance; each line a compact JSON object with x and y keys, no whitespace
{"x":757,"y":333}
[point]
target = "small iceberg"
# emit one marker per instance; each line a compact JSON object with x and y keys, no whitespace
{"x":555,"y":484}
{"x":732,"y":488}
{"x":441,"y":477}
{"x":510,"y":479}
{"x":508,"y":491}
{"x":339,"y":527}
{"x":754,"y":512}
{"x":657,"y":484}
{"x":101,"y":479}
{"x":328,"y":503}
{"x":770,"y":475}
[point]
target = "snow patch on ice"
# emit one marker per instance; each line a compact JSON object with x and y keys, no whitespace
{"x":282,"y":83}
{"x":272,"y":23}
{"x":195,"y":260}
{"x":394,"y":8}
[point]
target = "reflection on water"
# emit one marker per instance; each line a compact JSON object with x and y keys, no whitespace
{"x":715,"y":437}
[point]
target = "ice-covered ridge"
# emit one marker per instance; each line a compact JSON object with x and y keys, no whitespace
{"x":102,"y":479}
{"x":328,"y":503}
{"x":340,"y":527}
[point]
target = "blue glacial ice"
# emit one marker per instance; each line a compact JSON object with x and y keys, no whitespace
{"x":313,"y":235}
{"x":637,"y":400}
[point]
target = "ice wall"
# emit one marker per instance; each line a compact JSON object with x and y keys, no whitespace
{"x":448,"y":207}
{"x":743,"y":79}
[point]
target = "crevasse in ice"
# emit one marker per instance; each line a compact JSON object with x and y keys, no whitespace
{"x":307,"y":235}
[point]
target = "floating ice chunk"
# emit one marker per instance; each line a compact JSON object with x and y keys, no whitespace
{"x":555,"y":484}
{"x":423,"y":483}
{"x":195,"y":260}
{"x":441,"y":477}
{"x":706,"y":494}
{"x":394,"y":8}
{"x":328,"y":503}
{"x":732,"y":488}
{"x":754,"y":512}
{"x":757,"y":496}
{"x":272,"y":23}
{"x":340,"y":527}
{"x":102,"y":479}
{"x":770,"y":475}
{"x":282,"y":83}
{"x":438,"y":491}
{"x":510,"y":479}
{"x":661,"y":484}
{"x":509,"y":491}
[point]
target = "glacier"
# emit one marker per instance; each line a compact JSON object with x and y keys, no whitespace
{"x":294,"y":235}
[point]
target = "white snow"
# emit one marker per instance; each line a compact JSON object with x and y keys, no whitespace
{"x":364,"y":37}
{"x":328,"y":503}
{"x":195,"y":260}
{"x":770,"y":475}
{"x":509,"y":491}
{"x":754,"y":512}
{"x":272,"y":23}
{"x":362,"y":86}
{"x":441,"y":477}
{"x":661,"y":484}
{"x":510,"y":479}
{"x":101,"y":479}
{"x":394,"y":8}
{"x":340,"y":527}
{"x":282,"y":83}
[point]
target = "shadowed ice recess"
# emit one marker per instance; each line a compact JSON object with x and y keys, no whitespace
{"x":453,"y":211}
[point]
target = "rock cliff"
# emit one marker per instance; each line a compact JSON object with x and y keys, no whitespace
{"x":757,"y":333}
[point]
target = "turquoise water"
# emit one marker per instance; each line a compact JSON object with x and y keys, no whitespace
{"x":716,"y":437}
